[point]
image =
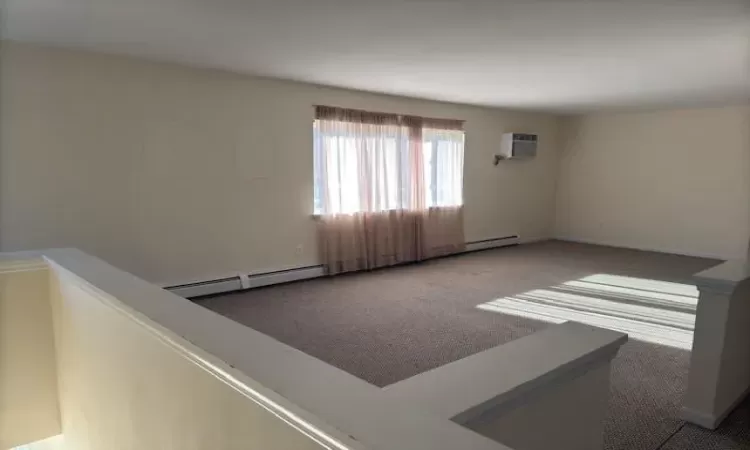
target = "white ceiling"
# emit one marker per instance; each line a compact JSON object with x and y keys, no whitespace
{"x":558,"y":55}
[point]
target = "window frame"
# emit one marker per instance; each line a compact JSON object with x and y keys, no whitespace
{"x":430,"y":192}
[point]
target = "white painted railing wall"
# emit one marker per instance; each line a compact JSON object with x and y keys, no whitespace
{"x":123,"y":385}
{"x":132,"y":366}
{"x":29,"y":409}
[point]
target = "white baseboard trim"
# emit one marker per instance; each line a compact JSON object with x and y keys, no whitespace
{"x":699,"y":418}
{"x":712,"y":420}
{"x":209,"y":287}
{"x":286,"y":276}
{"x":486,"y":244}
{"x":645,"y":249}
{"x":239,"y":282}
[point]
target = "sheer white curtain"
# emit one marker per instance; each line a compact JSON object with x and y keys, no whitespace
{"x":388,"y":189}
{"x":361,"y":167}
{"x":444,"y":166}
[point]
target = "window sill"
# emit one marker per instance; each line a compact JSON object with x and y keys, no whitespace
{"x":318,"y":216}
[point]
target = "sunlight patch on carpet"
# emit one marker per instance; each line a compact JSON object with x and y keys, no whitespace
{"x":648,"y":310}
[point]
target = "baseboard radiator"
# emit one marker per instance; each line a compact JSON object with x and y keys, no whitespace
{"x":242,"y":282}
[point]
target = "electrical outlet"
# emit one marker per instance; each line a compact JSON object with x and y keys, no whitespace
{"x":299,"y":249}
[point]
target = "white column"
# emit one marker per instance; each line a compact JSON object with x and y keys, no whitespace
{"x":720,"y":363}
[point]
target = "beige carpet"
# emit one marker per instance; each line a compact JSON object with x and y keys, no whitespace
{"x":390,"y":324}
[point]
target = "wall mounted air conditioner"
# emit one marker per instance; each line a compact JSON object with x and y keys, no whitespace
{"x":517,"y":146}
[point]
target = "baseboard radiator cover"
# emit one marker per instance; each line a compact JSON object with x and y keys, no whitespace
{"x":486,"y":244}
{"x":241,"y":282}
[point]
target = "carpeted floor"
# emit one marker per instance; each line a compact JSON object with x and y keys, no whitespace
{"x":390,"y":324}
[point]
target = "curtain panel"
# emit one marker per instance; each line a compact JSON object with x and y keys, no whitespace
{"x":368,"y":240}
{"x":388,"y":188}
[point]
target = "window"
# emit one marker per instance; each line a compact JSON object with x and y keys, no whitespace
{"x":384,"y":162}
{"x":443,"y":166}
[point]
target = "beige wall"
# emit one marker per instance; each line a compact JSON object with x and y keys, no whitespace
{"x":28,"y":378}
{"x":176,"y":173}
{"x":674,"y":181}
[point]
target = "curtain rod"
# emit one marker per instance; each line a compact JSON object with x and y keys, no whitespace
{"x":399,"y":116}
